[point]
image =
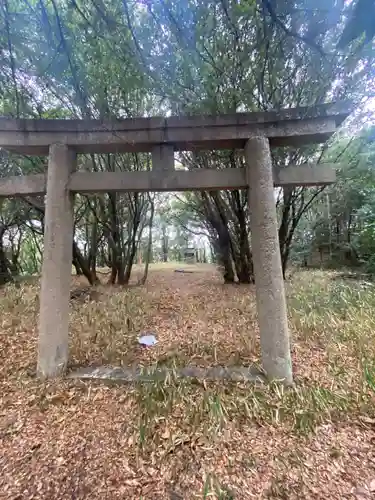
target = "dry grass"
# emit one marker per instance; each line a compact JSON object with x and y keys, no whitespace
{"x":177,"y":439}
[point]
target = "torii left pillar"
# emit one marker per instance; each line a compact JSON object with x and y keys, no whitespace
{"x":57,"y":264}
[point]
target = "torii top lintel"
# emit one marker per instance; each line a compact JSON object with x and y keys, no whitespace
{"x":287,"y":127}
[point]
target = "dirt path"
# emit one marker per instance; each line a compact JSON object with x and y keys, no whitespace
{"x":196,"y":319}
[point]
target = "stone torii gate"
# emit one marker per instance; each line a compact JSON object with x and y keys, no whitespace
{"x":62,"y":140}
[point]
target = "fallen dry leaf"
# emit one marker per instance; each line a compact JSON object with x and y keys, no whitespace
{"x":176,"y":440}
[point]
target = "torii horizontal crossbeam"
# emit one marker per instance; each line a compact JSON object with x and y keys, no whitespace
{"x":290,"y":127}
{"x":176,"y":180}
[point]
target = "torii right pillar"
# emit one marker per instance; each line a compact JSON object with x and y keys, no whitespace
{"x":269,"y":282}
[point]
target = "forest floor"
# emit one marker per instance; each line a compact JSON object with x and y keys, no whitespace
{"x":69,"y":439}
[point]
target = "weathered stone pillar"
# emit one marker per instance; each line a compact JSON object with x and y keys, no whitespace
{"x":269,"y":283}
{"x":163,"y":158}
{"x":57,"y":264}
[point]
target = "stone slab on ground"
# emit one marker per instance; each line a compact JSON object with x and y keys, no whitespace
{"x":151,"y":374}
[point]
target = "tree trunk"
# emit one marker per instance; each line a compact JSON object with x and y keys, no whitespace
{"x":130,"y":258}
{"x":142,"y":281}
{"x":284,"y":227}
{"x":222,"y":244}
{"x":115,"y":253}
{"x":77,"y":267}
{"x":82,"y":264}
{"x":5,"y":274}
{"x":244,"y":267}
{"x":223,"y":255}
{"x":164,"y":244}
{"x":93,"y":250}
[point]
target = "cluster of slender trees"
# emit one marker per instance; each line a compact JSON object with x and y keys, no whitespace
{"x":119,"y":58}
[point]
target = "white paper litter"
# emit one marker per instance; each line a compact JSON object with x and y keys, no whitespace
{"x":147,"y":340}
